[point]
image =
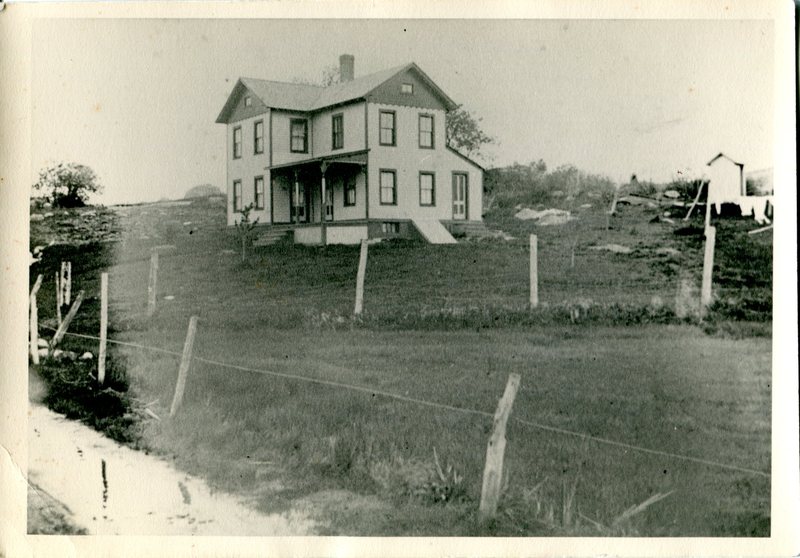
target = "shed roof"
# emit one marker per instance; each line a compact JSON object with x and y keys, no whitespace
{"x":723,"y":156}
{"x":306,"y":98}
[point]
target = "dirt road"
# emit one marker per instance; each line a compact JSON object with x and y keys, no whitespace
{"x":112,"y":490}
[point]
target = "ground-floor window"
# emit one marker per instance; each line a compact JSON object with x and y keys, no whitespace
{"x":427,"y":185}
{"x":388,"y":184}
{"x":350,"y":191}
{"x":259,"y":192}
{"x":390,"y":227}
{"x":237,"y":195}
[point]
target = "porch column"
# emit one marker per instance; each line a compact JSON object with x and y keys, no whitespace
{"x":323,"y":167}
{"x":294,"y":201}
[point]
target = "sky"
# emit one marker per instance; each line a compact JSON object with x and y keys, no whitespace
{"x":136,"y":99}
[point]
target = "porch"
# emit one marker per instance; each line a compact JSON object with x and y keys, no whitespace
{"x":313,"y":194}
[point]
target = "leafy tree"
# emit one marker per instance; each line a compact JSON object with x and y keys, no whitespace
{"x":330,"y":76}
{"x":464,"y":132}
{"x":67,"y":185}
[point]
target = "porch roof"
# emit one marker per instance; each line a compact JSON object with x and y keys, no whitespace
{"x":352,"y":157}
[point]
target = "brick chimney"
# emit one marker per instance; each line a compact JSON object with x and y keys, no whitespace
{"x":346,"y":67}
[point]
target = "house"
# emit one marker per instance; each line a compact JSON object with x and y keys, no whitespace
{"x":727,"y":185}
{"x":362,"y":158}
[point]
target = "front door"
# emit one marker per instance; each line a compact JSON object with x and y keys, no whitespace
{"x":460,"y":189}
{"x":299,"y":203}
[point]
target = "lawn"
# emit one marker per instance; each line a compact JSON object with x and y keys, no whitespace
{"x":365,"y":462}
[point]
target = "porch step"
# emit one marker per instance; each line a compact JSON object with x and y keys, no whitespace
{"x":433,"y":231}
{"x":272,"y":235}
{"x":471,"y":229}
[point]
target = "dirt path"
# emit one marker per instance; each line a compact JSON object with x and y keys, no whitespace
{"x":110,"y":489}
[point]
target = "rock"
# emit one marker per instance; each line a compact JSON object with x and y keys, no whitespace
{"x":545,"y":217}
{"x":616,"y":248}
{"x":667,"y":220}
{"x":593,"y":195}
{"x":586,"y":206}
{"x":42,"y":342}
{"x":656,"y":302}
{"x":42,"y":352}
{"x":87,"y":356}
{"x":672,"y":194}
{"x":37,"y":217}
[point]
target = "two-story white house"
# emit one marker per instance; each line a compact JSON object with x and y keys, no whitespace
{"x":362,"y":158}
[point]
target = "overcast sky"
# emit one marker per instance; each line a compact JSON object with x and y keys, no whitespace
{"x":136,"y":99}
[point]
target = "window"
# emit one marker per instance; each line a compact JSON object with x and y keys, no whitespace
{"x":427,"y":188}
{"x":350,"y":192}
{"x":426,"y":131}
{"x":299,"y":135}
{"x":258,"y":137}
{"x":407,"y":88}
{"x":388,"y":185}
{"x":388,"y":132}
{"x":237,"y":142}
{"x":248,"y":101}
{"x":337,"y":131}
{"x":259,"y":192}
{"x":237,"y":195}
{"x":390,"y":227}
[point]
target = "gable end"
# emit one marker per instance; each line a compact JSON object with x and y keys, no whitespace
{"x":423,"y":92}
{"x":237,"y":107}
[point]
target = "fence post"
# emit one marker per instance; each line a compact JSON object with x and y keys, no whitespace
{"x":708,"y":267}
{"x":59,"y":300}
{"x":495,"y":450}
{"x":62,"y":329}
{"x":534,"y":271}
{"x":68,"y":286}
{"x":101,"y":353}
{"x":34,"y":321}
{"x":362,"y":270}
{"x":183,"y":371}
{"x":151,"y":284}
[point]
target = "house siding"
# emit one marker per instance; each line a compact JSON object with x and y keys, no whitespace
{"x":281,"y":129}
{"x":389,"y":93}
{"x":248,"y":166}
{"x":353,"y":121}
{"x":408,"y":159}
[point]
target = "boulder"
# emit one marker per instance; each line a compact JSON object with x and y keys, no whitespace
{"x":672,"y":194}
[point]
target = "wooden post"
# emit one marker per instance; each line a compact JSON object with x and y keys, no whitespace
{"x":68,"y":287}
{"x":186,"y":358}
{"x":694,"y":203}
{"x":495,"y":450}
{"x":62,"y":328}
{"x":708,"y":267}
{"x":152,"y":283}
{"x":708,"y":207}
{"x":534,"y":271}
{"x":323,"y":202}
{"x":362,"y":270}
{"x":101,"y":353}
{"x":34,"y":321}
{"x":59,"y":300}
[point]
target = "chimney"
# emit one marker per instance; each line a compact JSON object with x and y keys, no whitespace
{"x":346,"y":67}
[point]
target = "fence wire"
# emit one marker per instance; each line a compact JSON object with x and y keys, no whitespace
{"x":431,"y":404}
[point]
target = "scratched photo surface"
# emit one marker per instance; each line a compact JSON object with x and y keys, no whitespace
{"x":401,"y":277}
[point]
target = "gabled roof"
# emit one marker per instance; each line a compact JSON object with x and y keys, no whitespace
{"x":308,"y":98}
{"x":467,"y":159}
{"x":722,"y":155}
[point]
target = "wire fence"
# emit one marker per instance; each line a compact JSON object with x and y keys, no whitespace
{"x":376,"y":392}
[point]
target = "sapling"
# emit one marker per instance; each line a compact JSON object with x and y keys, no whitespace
{"x":245,"y":228}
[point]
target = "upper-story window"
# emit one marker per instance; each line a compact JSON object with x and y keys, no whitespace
{"x":248,"y":101}
{"x":337,"y":131}
{"x":258,"y":137}
{"x":299,"y":135}
{"x":237,"y":142}
{"x":407,"y":88}
{"x":388,"y":128}
{"x":426,"y":131}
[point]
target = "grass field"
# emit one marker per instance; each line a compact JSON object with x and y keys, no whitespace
{"x":447,"y":324}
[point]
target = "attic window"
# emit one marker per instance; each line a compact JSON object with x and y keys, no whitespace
{"x":248,"y":101}
{"x":407,"y":88}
